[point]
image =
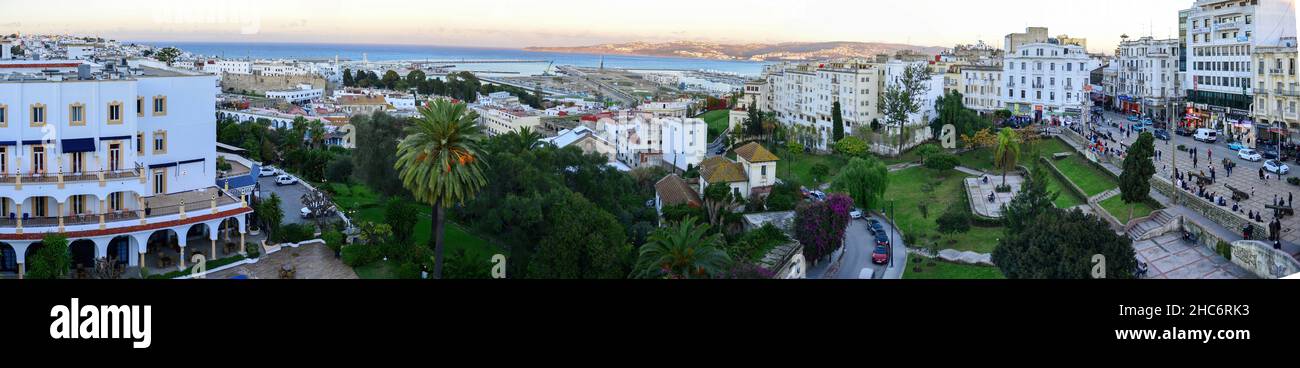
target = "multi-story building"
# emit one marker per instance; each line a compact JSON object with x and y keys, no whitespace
{"x":914,"y":131}
{"x":229,"y":67}
{"x":119,"y":158}
{"x":1047,"y":80}
{"x":803,"y":95}
{"x":1277,"y":91}
{"x":1014,"y":41}
{"x":6,"y":50}
{"x":1148,"y":79}
{"x":640,"y":139}
{"x":755,"y":95}
{"x":981,"y":87}
{"x":1222,"y":35}
{"x":500,"y":120}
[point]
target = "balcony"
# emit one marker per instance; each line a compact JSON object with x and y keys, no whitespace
{"x":147,"y":210}
{"x":73,"y":177}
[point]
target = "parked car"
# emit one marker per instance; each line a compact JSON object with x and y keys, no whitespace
{"x":856,"y":214}
{"x":1276,"y":167}
{"x":876,"y":227}
{"x":880,"y":255}
{"x":286,"y":180}
{"x":866,"y":274}
{"x":882,"y":239}
{"x":267,"y":171}
{"x":1269,"y":152}
{"x":721,"y":151}
{"x":1249,"y":155}
{"x":1236,"y":146}
{"x":1161,"y":134}
{"x":1183,"y":132}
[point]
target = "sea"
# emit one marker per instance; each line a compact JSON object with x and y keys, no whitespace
{"x":539,"y":61}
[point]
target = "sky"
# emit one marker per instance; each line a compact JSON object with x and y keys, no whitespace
{"x":523,"y":23}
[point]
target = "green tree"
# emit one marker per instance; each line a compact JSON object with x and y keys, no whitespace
{"x":1135,"y":180}
{"x":1007,"y":153}
{"x":903,"y":97}
{"x":863,"y":179}
{"x":851,"y":146}
{"x":1032,"y":201}
{"x":1061,"y":245}
{"x":683,"y":251}
{"x":271,"y":215}
{"x":439,"y":163}
{"x":819,"y":171}
{"x":373,"y":160}
{"x":347,"y":78}
{"x":719,"y":199}
{"x":52,"y":260}
{"x":390,"y":79}
{"x":402,"y":216}
{"x":167,"y":55}
{"x":582,"y":242}
{"x":837,"y":122}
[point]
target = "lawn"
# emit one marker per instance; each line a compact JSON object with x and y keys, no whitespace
{"x":1067,"y":198}
{"x":910,"y":189}
{"x":368,"y":206}
{"x":381,"y":270}
{"x":799,"y":167}
{"x":1116,"y":206}
{"x":982,"y":159}
{"x":943,"y":270}
{"x":1091,"y":179}
{"x":718,"y":121}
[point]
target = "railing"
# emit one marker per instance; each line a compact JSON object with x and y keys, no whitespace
{"x":196,"y":201}
{"x":80,"y":176}
{"x":1286,"y":92}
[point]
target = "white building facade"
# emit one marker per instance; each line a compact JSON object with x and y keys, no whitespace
{"x":1046,"y":80}
{"x":122,"y":161}
{"x":1148,"y":78}
{"x":1221,"y":38}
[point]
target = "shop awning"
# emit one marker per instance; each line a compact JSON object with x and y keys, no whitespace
{"x":79,"y":145}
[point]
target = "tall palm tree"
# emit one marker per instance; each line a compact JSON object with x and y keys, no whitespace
{"x":439,"y":163}
{"x":1007,"y":152}
{"x":524,"y":139}
{"x":316,"y":130}
{"x":683,"y":251}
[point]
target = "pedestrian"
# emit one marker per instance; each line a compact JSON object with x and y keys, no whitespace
{"x":1274,"y":200}
{"x":1213,"y":176}
{"x":1290,"y":197}
{"x":1261,"y":173}
{"x":1209,"y":154}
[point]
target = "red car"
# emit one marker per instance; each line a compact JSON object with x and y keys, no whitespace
{"x":881,"y":255}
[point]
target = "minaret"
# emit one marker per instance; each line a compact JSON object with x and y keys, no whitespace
{"x":602,"y":63}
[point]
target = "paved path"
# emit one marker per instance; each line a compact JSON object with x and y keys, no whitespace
{"x":1169,"y":257}
{"x":979,"y":191}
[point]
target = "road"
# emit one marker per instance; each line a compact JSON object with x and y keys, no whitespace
{"x":290,"y":198}
{"x":858,"y":246}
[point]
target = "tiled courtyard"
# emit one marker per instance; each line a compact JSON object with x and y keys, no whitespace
{"x":1169,"y":257}
{"x":311,"y":262}
{"x":979,"y":194}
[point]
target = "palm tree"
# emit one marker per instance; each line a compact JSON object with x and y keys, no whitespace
{"x":316,"y":130}
{"x":439,"y":163}
{"x":523,"y":139}
{"x":682,"y":251}
{"x":1007,"y":152}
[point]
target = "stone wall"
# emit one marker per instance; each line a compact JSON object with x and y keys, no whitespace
{"x":781,"y":261}
{"x":258,"y":84}
{"x":1264,"y":261}
{"x":1223,"y":217}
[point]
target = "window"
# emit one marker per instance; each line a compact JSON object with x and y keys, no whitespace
{"x":77,"y":114}
{"x":160,"y":181}
{"x":139,"y":106}
{"x":115,"y":201}
{"x":139,"y":143}
{"x":78,"y":205}
{"x":115,"y":112}
{"x":38,"y":159}
{"x":160,"y":142}
{"x":38,"y":115}
{"x":4,"y":160}
{"x":159,"y":105}
{"x":40,"y":206}
{"x":4,"y":116}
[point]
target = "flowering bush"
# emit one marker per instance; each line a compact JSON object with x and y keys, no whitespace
{"x":820,"y":226}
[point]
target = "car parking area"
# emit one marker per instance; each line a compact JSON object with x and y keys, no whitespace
{"x":290,"y":198}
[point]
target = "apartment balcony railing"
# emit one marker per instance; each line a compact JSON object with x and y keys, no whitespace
{"x":71,"y":177}
{"x":158,"y":208}
{"x":1038,"y":85}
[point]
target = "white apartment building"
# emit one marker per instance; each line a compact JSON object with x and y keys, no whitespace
{"x":500,"y":121}
{"x":1047,"y":80}
{"x":6,"y":50}
{"x":229,"y":67}
{"x":79,"y":51}
{"x":915,"y":130}
{"x":119,"y":158}
{"x":670,"y":109}
{"x":803,"y":95}
{"x":304,"y":93}
{"x":278,"y":69}
{"x":1148,"y":78}
{"x":1277,"y":91}
{"x":981,"y":87}
{"x":1222,"y":36}
{"x":641,"y":139}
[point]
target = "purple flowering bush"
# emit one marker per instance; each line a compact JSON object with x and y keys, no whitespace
{"x":820,"y":226}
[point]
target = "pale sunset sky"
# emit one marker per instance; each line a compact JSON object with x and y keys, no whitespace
{"x":522,"y":23}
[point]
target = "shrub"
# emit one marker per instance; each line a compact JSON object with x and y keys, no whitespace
{"x":253,"y":249}
{"x":851,"y":146}
{"x":295,"y":233}
{"x":1224,"y":249}
{"x":408,"y":271}
{"x":1293,"y":180}
{"x":356,"y":255}
{"x":955,"y":220}
{"x":942,"y":162}
{"x":333,"y":239}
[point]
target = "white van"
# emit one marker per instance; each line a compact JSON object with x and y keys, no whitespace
{"x":1206,"y":135}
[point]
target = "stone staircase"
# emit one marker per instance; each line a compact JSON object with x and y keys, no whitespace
{"x":1155,"y":222}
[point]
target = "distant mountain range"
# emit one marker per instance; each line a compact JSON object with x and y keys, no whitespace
{"x":788,"y":51}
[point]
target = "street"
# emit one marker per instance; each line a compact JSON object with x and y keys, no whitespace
{"x":859,"y":243}
{"x":1245,"y":176}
